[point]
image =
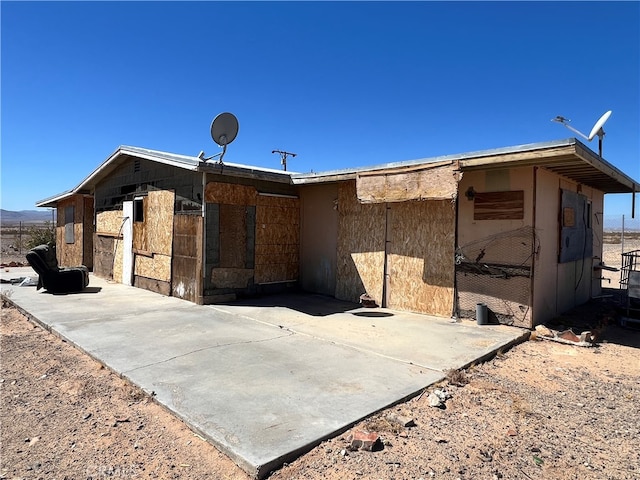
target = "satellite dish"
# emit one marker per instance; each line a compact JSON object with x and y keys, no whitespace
{"x":224,"y":129}
{"x":597,"y":128}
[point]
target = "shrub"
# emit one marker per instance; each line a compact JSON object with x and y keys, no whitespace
{"x":40,"y":235}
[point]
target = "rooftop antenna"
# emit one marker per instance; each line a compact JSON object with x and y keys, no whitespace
{"x":596,"y":130}
{"x":224,"y":130}
{"x":283,"y":156}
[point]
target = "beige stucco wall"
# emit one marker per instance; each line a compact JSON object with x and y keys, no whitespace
{"x":504,"y":296}
{"x":319,"y":237}
{"x":559,"y":287}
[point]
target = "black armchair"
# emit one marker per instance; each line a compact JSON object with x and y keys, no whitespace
{"x":53,"y":278}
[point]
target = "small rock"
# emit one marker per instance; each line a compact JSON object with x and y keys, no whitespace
{"x":87,"y":416}
{"x":434,"y":401}
{"x":401,"y":420}
{"x":344,"y":452}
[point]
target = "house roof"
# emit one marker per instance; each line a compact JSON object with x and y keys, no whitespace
{"x":125,"y":153}
{"x":568,"y":157}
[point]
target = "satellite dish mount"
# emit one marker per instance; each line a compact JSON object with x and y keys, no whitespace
{"x":596,"y":130}
{"x":224,"y":130}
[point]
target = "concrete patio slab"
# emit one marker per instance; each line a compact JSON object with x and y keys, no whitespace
{"x":264,"y":380}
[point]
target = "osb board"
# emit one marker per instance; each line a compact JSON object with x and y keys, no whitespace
{"x":231,"y":277}
{"x":413,"y":183}
{"x":103,"y":256}
{"x":278,"y":215}
{"x":158,"y":221}
{"x":233,"y":236}
{"x":118,"y":256}
{"x":140,"y":236}
{"x":278,"y":201}
{"x":186,"y":262}
{"x":421,"y":256}
{"x":360,"y":253}
{"x":230,"y":194}
{"x":277,"y":249}
{"x":157,"y":267}
{"x":69,"y":254}
{"x":109,"y":222}
{"x":502,"y":296}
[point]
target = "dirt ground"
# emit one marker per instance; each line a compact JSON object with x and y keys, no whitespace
{"x":542,"y":410}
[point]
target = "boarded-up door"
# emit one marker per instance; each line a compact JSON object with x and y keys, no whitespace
{"x":420,"y":256}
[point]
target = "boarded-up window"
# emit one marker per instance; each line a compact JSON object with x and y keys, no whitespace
{"x":499,"y":205}
{"x":69,"y":213}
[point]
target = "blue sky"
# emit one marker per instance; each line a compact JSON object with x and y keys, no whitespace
{"x":341,"y":84}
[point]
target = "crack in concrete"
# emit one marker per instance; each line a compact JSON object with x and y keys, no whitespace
{"x":248,"y":342}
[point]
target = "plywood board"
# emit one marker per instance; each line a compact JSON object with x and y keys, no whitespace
{"x":277,"y":239}
{"x":361,"y":242}
{"x":408,"y":183}
{"x":157,"y":267}
{"x":233,"y":236}
{"x":158,"y":220}
{"x":421,"y":256}
{"x":109,"y":222}
{"x":118,"y":257}
{"x":230,"y":194}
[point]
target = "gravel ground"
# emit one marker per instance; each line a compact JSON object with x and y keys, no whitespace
{"x":542,"y":410}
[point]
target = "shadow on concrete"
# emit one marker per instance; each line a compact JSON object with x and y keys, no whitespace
{"x":309,"y":304}
{"x":86,"y":290}
{"x":373,"y":314}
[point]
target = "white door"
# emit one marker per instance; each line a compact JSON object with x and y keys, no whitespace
{"x":127,"y":242}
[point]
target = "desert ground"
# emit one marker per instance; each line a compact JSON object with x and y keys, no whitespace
{"x":541,"y":410}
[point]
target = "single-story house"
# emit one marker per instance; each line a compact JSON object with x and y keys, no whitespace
{"x":517,"y":228}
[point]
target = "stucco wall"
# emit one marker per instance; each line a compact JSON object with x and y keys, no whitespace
{"x":319,"y":238}
{"x":497,"y":241}
{"x":559,"y":287}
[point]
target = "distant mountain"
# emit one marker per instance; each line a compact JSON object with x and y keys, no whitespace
{"x":25,"y":216}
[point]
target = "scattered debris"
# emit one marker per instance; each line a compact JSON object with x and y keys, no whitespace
{"x":586,"y":339}
{"x":367,"y":301}
{"x":438,"y":398}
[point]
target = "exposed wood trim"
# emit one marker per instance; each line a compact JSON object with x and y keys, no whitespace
{"x":109,"y":234}
{"x":144,"y":253}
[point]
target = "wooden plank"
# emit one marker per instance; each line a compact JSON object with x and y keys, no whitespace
{"x":499,"y":205}
{"x":152,"y":284}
